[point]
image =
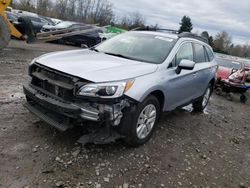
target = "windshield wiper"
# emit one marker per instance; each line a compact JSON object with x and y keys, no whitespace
{"x":94,"y":49}
{"x":120,"y":55}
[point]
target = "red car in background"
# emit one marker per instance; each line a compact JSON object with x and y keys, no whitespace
{"x":229,"y":66}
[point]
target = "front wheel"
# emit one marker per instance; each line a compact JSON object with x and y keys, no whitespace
{"x":139,"y":124}
{"x":202,"y":103}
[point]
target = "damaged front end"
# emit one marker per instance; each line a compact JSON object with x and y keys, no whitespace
{"x":54,"y":97}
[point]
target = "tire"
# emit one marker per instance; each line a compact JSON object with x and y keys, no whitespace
{"x":243,"y":98}
{"x":61,"y":41}
{"x":218,"y":91}
{"x":4,"y":33}
{"x":137,"y":130}
{"x":202,"y":103}
{"x":229,"y":96}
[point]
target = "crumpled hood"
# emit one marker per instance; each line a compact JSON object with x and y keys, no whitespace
{"x":95,"y":66}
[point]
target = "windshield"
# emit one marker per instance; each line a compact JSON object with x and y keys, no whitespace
{"x":229,"y":63}
{"x":138,"y":46}
{"x":65,"y":24}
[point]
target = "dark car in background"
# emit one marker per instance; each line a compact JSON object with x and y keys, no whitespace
{"x":37,"y":21}
{"x":90,"y":38}
{"x":12,"y":17}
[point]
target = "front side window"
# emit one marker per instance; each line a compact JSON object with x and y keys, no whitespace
{"x":185,"y":52}
{"x":199,"y":53}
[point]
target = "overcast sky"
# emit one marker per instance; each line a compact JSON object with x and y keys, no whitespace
{"x":232,"y":16}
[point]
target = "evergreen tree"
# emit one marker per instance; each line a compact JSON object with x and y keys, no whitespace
{"x":211,"y":41}
{"x":209,"y":38}
{"x":186,"y":25}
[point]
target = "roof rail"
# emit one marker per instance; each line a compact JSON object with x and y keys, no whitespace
{"x":193,"y":35}
{"x":155,"y":29}
{"x":168,"y":30}
{"x":180,"y":35}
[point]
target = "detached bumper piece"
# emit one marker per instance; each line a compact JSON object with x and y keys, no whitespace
{"x":102,"y":136}
{"x":57,"y":113}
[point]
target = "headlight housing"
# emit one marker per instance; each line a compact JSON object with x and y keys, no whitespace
{"x":105,"y":90}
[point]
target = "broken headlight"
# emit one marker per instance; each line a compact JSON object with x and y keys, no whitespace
{"x":105,"y":90}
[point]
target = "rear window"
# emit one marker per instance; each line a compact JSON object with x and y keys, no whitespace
{"x":199,"y":53}
{"x":34,"y":19}
{"x":210,"y":54}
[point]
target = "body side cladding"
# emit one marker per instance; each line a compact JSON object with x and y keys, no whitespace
{"x":160,"y":96}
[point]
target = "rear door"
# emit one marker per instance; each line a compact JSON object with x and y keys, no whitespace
{"x":201,"y":69}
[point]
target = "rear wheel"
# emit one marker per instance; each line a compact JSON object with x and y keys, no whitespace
{"x":202,"y":103}
{"x":229,"y":96}
{"x":218,"y":91}
{"x":139,"y":124}
{"x":243,"y":98}
{"x":4,"y":33}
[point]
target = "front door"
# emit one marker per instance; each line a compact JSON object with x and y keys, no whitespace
{"x":180,"y":88}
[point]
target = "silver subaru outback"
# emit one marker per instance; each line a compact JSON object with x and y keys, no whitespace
{"x":120,"y":88}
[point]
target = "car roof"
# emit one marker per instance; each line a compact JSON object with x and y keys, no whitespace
{"x":185,"y":35}
{"x":163,"y":34}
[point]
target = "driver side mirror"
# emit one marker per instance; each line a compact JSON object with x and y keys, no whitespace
{"x":186,"y":65}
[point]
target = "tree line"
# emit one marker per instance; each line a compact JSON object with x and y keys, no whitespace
{"x":101,"y":12}
{"x":221,"y":43}
{"x":88,"y":11}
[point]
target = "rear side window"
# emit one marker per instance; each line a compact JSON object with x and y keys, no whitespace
{"x":210,"y":54}
{"x":34,"y":19}
{"x":185,"y":52}
{"x":199,"y":52}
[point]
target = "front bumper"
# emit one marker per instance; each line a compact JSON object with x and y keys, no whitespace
{"x":64,"y":114}
{"x":56,"y":112}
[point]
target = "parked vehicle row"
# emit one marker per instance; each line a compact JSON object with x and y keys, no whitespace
{"x":37,"y":21}
{"x":43,"y":24}
{"x":90,"y":38}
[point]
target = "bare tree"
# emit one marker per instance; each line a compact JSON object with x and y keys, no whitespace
{"x":43,"y":7}
{"x":135,"y":20}
{"x":71,"y":9}
{"x":101,"y":12}
{"x":222,"y":42}
{"x":61,"y":9}
{"x":26,"y":5}
{"x":240,"y":50}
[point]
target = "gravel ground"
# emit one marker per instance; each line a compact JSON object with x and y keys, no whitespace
{"x":187,"y":150}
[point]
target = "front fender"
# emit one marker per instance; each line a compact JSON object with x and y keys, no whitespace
{"x":145,"y":85}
